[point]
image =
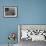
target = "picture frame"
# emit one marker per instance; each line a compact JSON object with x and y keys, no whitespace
{"x":37,"y":29}
{"x":10,"y":11}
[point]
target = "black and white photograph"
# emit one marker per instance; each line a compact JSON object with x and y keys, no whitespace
{"x":31,"y":34}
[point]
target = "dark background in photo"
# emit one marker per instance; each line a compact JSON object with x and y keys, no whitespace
{"x":9,"y":11}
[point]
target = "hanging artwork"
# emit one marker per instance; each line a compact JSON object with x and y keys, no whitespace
{"x":10,"y":11}
{"x":32,"y":32}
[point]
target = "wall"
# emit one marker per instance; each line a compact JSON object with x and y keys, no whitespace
{"x":7,"y":25}
{"x":29,"y":12}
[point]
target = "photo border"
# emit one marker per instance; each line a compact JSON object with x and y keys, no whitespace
{"x":10,"y":7}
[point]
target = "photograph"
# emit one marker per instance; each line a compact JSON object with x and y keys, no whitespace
{"x":29,"y":34}
{"x":32,"y":32}
{"x":10,"y":11}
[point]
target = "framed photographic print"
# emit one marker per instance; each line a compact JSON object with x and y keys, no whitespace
{"x":33,"y":32}
{"x":10,"y":11}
